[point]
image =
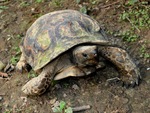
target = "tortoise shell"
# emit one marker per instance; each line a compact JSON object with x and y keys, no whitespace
{"x":55,"y":33}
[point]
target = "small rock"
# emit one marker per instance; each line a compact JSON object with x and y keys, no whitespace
{"x":64,"y":95}
{"x":24,"y":99}
{"x":1,"y":98}
{"x":52,"y":101}
{"x":125,"y":100}
{"x":2,"y":65}
{"x":148,"y":68}
{"x":57,"y":86}
{"x":130,"y":92}
{"x":75,"y":87}
{"x":56,"y":104}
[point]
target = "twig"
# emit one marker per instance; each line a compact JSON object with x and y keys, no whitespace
{"x":81,"y":108}
{"x":133,"y":49}
{"x":110,"y":4}
{"x":3,"y":2}
{"x":112,"y":79}
{"x":133,"y":24}
{"x":4,"y":75}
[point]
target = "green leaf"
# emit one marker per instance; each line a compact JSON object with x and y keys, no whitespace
{"x":62,"y":105}
{"x":77,"y":1}
{"x":132,"y":2}
{"x":69,"y":110}
{"x":14,"y":60}
{"x":3,"y":7}
{"x":83,"y":10}
{"x":56,"y":109}
{"x":39,"y":1}
{"x":146,"y":55}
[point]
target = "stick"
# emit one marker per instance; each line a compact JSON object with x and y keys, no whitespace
{"x":133,"y":24}
{"x":81,"y":108}
{"x":110,"y":4}
{"x":4,"y":75}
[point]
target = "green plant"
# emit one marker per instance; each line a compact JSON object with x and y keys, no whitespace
{"x":8,"y":111}
{"x":135,"y":13}
{"x":138,"y":15}
{"x":32,"y":74}
{"x":19,"y":36}
{"x":3,"y":7}
{"x":62,"y":108}
{"x":128,"y":36}
{"x":132,"y":2}
{"x":144,"y":54}
{"x":38,"y":1}
{"x":78,"y":1}
{"x":57,"y":3}
{"x":17,"y":50}
{"x":15,"y":58}
{"x":93,"y":2}
{"x":83,"y":9}
{"x":85,"y":6}
{"x":24,"y":4}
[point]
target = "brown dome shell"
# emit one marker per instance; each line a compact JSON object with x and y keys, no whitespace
{"x":56,"y":32}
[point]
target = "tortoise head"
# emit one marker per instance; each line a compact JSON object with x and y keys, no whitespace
{"x":86,"y":55}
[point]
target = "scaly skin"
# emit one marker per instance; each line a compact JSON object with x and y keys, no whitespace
{"x":22,"y":62}
{"x":38,"y":85}
{"x":62,"y":66}
{"x":122,"y":60}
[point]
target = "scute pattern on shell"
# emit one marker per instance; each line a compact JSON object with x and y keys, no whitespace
{"x":57,"y":32}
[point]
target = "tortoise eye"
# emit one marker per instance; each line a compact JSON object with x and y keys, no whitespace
{"x":85,"y":55}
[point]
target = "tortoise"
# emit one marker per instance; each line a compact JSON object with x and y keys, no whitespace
{"x":68,"y":43}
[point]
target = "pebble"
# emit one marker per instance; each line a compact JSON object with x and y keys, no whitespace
{"x":52,"y":101}
{"x":1,"y":98}
{"x":64,"y":95}
{"x":2,"y":65}
{"x":57,"y":86}
{"x":148,"y":68}
{"x":130,"y":92}
{"x":76,"y":87}
{"x":125,"y":100}
{"x":24,"y":99}
{"x":56,"y":104}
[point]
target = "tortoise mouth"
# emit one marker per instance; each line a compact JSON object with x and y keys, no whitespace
{"x":91,"y":62}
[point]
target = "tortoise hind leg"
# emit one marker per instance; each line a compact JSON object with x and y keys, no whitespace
{"x":21,"y":64}
{"x":123,"y":62}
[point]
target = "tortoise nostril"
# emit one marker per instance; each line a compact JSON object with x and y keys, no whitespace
{"x":95,"y":54}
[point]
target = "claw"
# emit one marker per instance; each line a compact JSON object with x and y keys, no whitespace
{"x":20,"y":66}
{"x":140,"y":77}
{"x":137,"y":81}
{"x":126,"y":85}
{"x":132,"y":85}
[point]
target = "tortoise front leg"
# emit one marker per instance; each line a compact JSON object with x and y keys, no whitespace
{"x":38,"y":85}
{"x":123,"y":62}
{"x":22,"y":62}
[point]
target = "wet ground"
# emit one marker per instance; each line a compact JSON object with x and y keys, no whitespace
{"x":94,"y":90}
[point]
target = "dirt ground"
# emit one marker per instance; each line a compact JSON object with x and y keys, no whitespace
{"x":94,"y":90}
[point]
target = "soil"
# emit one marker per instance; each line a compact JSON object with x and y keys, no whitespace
{"x":94,"y":90}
